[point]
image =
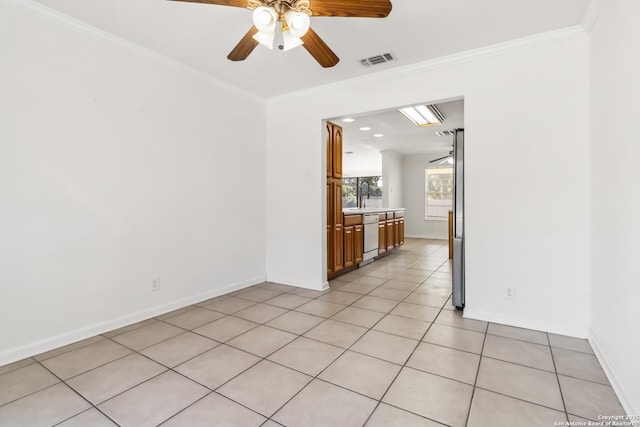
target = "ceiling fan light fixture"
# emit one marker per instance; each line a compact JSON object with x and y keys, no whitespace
{"x":265,"y":39}
{"x":450,"y":160}
{"x":289,"y":41}
{"x":265,"y":18}
{"x":297,"y":22}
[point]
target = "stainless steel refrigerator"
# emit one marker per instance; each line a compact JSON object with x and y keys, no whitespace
{"x":458,"y":219}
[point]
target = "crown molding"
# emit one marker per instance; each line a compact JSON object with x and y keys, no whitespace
{"x":542,"y":39}
{"x":591,"y":14}
{"x":66,"y":21}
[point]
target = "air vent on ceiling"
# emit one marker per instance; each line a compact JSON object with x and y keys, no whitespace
{"x":378,"y":59}
{"x":445,"y":133}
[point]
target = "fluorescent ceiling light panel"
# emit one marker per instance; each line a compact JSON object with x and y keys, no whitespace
{"x":423,"y":115}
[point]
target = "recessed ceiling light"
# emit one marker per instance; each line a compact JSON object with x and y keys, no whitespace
{"x":365,"y":128}
{"x":378,"y":135}
{"x":348,"y":152}
{"x":348,"y":120}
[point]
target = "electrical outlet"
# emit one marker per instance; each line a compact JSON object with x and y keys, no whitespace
{"x":510,"y":292}
{"x":155,"y":284}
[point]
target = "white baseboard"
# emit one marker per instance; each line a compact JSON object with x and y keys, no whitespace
{"x":619,"y":389}
{"x":425,"y":236}
{"x":42,"y":346}
{"x":552,"y":327}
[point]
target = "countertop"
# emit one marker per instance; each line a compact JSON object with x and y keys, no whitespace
{"x":359,"y":211}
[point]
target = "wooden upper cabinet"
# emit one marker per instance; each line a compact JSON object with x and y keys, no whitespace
{"x":337,"y":151}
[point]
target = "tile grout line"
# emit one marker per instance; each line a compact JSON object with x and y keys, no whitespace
{"x":555,"y":368}
{"x":475,"y":382}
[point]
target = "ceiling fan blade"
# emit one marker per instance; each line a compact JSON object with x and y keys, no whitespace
{"x":234,"y":3}
{"x":351,"y":8}
{"x":319,"y":49}
{"x":438,"y":159}
{"x":245,"y":46}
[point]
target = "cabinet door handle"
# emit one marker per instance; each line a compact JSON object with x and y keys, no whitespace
{"x":348,"y":232}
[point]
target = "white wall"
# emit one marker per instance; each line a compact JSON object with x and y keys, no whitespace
{"x":116,"y":167}
{"x":414,"y":180}
{"x":615,"y":175}
{"x":392,"y":192}
{"x":526,"y":103}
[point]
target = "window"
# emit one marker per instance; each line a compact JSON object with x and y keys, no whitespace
{"x":362,"y":192}
{"x":438,"y":192}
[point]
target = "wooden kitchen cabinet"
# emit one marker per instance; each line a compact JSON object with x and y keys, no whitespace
{"x":382,"y":237}
{"x":335,"y":226}
{"x":349,"y":246}
{"x":401,"y":232}
{"x":391,"y":234}
{"x":358,"y":243}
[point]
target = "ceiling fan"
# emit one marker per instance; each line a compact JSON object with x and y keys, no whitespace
{"x":444,"y":159}
{"x":289,"y":19}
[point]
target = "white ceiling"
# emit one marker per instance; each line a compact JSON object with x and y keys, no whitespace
{"x":201,"y":35}
{"x":399,"y":135}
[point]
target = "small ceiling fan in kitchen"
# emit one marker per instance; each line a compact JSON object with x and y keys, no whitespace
{"x":286,"y":22}
{"x":445,"y":159}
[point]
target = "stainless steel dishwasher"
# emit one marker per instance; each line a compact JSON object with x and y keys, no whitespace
{"x":370,"y":222}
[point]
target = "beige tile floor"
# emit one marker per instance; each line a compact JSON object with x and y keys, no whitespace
{"x":382,"y":347}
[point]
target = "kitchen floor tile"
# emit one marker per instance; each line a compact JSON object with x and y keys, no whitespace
{"x":399,"y":285}
{"x":382,"y":305}
{"x":224,"y":329}
{"x":532,"y":385}
{"x":495,"y":410}
{"x":17,"y":365}
{"x":358,"y":288}
{"x":579,"y":365}
{"x":426,"y":299}
{"x":295,"y":322}
{"x":230,"y":305}
{"x":336,"y":333}
{"x":403,"y":326}
{"x":194,"y":318}
{"x":262,"y":341}
{"x":24,"y":381}
{"x":276,"y":287}
{"x":128,"y":328}
{"x":320,"y":308}
{"x":258,"y":294}
{"x":324,"y":405}
{"x":431,"y":396}
{"x":415,"y":311}
{"x":460,"y":339}
{"x":45,"y":408}
{"x":384,"y":346}
{"x":570,"y":343}
{"x":260,"y":313}
{"x":308,"y":293}
{"x":447,"y":362}
{"x":520,"y":352}
{"x":216,"y":410}
{"x":217,"y":366}
{"x":388,"y":293}
{"x":88,"y":418}
{"x":358,"y":316}
{"x":179,"y":349}
{"x":68,"y":348}
{"x":389,"y":416}
{"x":455,"y":319}
{"x":113,"y":378}
{"x":588,"y":399}
{"x":535,"y":337}
{"x":369,"y":281}
{"x":338,"y":297}
{"x":154,"y":401}
{"x":75,"y":362}
{"x":287,"y":301}
{"x":265,"y":387}
{"x":306,"y":355}
{"x":360,"y":373}
{"x":148,"y":335}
